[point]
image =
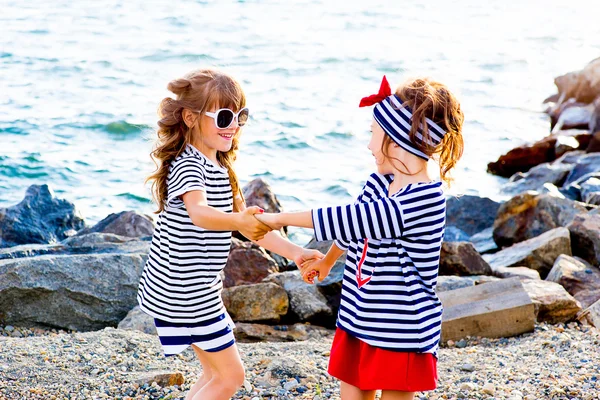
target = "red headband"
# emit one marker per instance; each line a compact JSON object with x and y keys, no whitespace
{"x":384,"y":91}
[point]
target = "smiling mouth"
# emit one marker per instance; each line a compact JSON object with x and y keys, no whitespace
{"x":228,"y":136}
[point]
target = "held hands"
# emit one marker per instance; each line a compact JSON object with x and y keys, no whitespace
{"x":251,"y":227}
{"x":307,"y":256}
{"x":311,"y":269}
{"x":272,"y":220}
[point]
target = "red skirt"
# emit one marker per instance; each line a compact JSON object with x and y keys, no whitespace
{"x":372,"y":368}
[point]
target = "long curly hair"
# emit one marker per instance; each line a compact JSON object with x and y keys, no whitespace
{"x":199,"y":91}
{"x":431,"y":99}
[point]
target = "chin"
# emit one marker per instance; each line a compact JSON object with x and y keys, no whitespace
{"x":225,"y":147}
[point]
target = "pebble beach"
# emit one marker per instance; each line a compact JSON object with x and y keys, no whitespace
{"x":553,"y":362}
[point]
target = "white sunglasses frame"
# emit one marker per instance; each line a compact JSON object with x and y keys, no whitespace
{"x":235,"y":116}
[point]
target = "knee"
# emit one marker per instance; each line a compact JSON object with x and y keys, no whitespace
{"x":234,"y":379}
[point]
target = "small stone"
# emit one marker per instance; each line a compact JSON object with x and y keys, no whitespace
{"x":467,"y":367}
{"x":9,"y":328}
{"x":290,"y":385}
{"x":461,"y":344}
{"x":467,"y":386}
{"x":489,"y":388}
{"x":247,"y":385}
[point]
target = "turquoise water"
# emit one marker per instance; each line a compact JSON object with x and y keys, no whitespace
{"x":80,"y":84}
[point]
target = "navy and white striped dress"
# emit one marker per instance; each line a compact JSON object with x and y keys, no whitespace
{"x":181,"y":284}
{"x":394,"y":242}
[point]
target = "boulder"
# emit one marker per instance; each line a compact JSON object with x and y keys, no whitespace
{"x":39,"y":218}
{"x":307,"y":303}
{"x":582,"y":86}
{"x":454,"y":234}
{"x":73,"y":292}
{"x":125,"y":223}
{"x":517,"y":272}
{"x":586,"y":164}
{"x":538,"y":253}
{"x":259,"y":193}
{"x":471,"y":214}
{"x":451,"y":282}
{"x":553,"y":304}
{"x":536,"y":178}
{"x":496,"y":309}
{"x":574,"y":275}
{"x":484,"y":241}
{"x":594,"y":145}
{"x":247,"y":263}
{"x":138,"y":320}
{"x":245,"y":332}
{"x":585,"y":237}
{"x":591,"y":315}
{"x":587,"y":297}
{"x":523,"y":158}
{"x":461,"y":258}
{"x":590,"y":191}
{"x":530,"y":214}
{"x":257,"y":302}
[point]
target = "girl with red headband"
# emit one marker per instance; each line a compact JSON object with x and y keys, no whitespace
{"x":389,"y":320}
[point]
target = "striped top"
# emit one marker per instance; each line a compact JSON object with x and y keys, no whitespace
{"x":181,"y":281}
{"x":393,"y":242}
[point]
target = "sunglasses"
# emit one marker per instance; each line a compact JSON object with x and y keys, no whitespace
{"x":224,"y":117}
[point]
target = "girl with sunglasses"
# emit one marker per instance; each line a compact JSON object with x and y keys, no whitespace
{"x":389,"y":320}
{"x":199,"y":204}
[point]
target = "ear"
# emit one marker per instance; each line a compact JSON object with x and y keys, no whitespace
{"x":189,"y":118}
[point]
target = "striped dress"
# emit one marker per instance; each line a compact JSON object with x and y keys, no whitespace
{"x":393,"y":242}
{"x":181,"y":285}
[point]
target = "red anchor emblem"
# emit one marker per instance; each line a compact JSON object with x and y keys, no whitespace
{"x":362,"y":282}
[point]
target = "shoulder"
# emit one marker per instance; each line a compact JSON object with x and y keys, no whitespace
{"x":426,"y":192}
{"x":376,"y":186}
{"x":188,"y":164}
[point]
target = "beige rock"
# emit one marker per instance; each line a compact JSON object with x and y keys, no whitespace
{"x":552,"y":302}
{"x":538,"y":253}
{"x":257,"y":302}
{"x":587,"y":297}
{"x":518,"y":272}
{"x":494,"y":309}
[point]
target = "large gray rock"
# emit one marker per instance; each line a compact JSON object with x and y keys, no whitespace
{"x":536,"y":178}
{"x":452,"y":282}
{"x":138,"y":320}
{"x":552,"y":302}
{"x":590,"y":191}
{"x":307,"y":302}
{"x":538,"y":253}
{"x":125,"y":223}
{"x":586,"y":164}
{"x":39,"y":218}
{"x":471,"y":214}
{"x":257,"y":302}
{"x":585,"y":237}
{"x":516,"y":272}
{"x":461,"y":258}
{"x":484,"y":241}
{"x":78,"y":292}
{"x":530,"y":214}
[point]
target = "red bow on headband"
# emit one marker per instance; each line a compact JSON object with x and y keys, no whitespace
{"x":384,"y":91}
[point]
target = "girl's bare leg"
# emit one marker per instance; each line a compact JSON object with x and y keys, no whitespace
{"x":206,"y":373}
{"x":227,"y":375}
{"x":349,"y":392}
{"x":397,"y":395}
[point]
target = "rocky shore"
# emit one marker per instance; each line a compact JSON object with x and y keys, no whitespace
{"x":519,"y":281}
{"x":554,"y":362}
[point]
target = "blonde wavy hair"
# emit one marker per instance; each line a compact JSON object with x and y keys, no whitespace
{"x":198,"y":91}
